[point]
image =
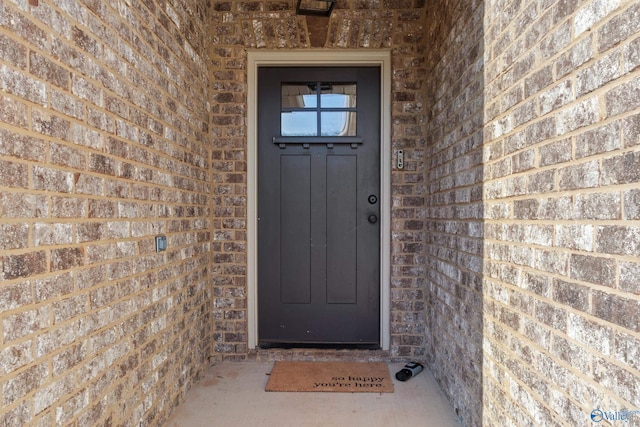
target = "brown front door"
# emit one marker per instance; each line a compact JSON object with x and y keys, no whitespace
{"x":318,"y":206}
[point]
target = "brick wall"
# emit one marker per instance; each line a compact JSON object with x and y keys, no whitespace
{"x":515,"y":254}
{"x":533,"y":311}
{"x":561,"y":174}
{"x":237,"y":25}
{"x":104,"y":144}
{"x":454,"y":226}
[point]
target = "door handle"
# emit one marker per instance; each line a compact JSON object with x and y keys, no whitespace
{"x":373,"y":218}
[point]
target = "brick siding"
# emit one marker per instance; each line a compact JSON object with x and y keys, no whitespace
{"x":104,"y":144}
{"x":515,"y":237}
{"x":353,"y":24}
{"x":561,"y":166}
{"x":454,"y":227}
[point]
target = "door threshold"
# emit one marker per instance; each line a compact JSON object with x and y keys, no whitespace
{"x":318,"y":346}
{"x":317,"y":354}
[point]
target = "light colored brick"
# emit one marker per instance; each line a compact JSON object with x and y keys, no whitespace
{"x":619,"y":27}
{"x":15,"y":357}
{"x":590,"y":333}
{"x":622,"y":240}
{"x":621,"y":169}
{"x":571,"y":294}
{"x":53,"y":287}
{"x":580,"y":237}
{"x":576,"y":116}
{"x":601,"y":72}
{"x":52,"y":180}
{"x":14,"y":236}
{"x":577,"y":55}
{"x":52,"y":234}
{"x":591,"y":13}
{"x":20,"y":146}
{"x":623,"y":98}
{"x":22,"y":85}
{"x":606,"y":138}
{"x":556,"y":97}
{"x":27,"y":381}
{"x":584,"y":175}
{"x":13,"y":112}
{"x":629,"y":273}
{"x":25,"y":323}
{"x":620,"y":381}
{"x":14,"y":174}
{"x":632,"y":55}
{"x":597,"y":206}
{"x":627,"y":349}
{"x":616,"y":309}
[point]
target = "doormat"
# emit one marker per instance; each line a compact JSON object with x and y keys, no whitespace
{"x":345,"y":377}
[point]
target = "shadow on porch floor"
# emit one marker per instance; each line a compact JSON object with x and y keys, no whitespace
{"x":232,"y":394}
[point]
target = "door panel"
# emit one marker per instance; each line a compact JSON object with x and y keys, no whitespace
{"x":318,"y":251}
{"x":341,"y":229}
{"x":295,"y":230}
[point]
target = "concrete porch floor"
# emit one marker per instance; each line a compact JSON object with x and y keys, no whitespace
{"x":232,"y":394}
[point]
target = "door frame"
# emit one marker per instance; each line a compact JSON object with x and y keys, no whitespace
{"x":319,"y":57}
